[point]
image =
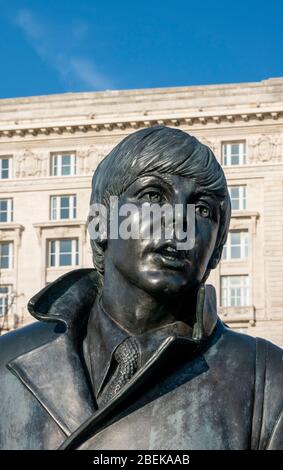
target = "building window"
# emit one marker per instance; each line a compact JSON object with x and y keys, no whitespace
{"x":238,"y":195}
{"x":63,"y":164}
{"x":234,"y":291}
{"x":4,"y":300}
{"x":6,"y":255}
{"x":237,"y":245}
{"x":6,"y":210}
{"x":63,"y":207}
{"x":63,"y":252}
{"x":5,"y":167}
{"x":234,"y":153}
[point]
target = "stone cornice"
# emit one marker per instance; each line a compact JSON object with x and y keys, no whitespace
{"x":197,"y":119}
{"x":11,"y":226}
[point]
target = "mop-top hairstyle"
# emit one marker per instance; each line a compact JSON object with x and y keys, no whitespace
{"x":160,"y":150}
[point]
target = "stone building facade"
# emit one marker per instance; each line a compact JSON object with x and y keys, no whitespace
{"x":50,"y":146}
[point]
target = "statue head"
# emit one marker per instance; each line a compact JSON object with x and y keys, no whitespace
{"x":163,"y":165}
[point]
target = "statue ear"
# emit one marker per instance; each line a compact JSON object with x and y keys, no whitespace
{"x":215,"y":258}
{"x":97,"y":229}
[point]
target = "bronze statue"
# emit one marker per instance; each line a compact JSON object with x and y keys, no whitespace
{"x":131,"y":354}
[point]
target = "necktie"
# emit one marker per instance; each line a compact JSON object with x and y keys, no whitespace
{"x":127,"y":357}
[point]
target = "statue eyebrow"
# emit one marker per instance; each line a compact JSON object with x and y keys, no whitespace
{"x":203,"y":192}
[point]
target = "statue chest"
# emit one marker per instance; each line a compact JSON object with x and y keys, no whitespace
{"x":195,"y":408}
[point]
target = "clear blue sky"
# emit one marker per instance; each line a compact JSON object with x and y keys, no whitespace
{"x":57,"y":46}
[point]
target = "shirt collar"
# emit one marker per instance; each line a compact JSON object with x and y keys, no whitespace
{"x":104,"y":335}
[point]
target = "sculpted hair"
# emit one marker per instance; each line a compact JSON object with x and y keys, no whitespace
{"x":159,"y":149}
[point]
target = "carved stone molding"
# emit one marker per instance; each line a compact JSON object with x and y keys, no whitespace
{"x":265,"y":149}
{"x":30,"y":163}
{"x":89,"y":157}
{"x":199,"y":119}
{"x":213,"y":144}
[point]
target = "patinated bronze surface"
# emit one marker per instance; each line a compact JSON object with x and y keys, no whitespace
{"x":131,"y":354}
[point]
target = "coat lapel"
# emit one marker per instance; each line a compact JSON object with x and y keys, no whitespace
{"x":104,"y":414}
{"x":54,"y":372}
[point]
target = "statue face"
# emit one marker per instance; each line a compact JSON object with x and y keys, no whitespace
{"x":154,"y":265}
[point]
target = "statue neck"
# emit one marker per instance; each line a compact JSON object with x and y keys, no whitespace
{"x":138,"y":311}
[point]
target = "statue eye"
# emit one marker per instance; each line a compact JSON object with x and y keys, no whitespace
{"x":152,"y":196}
{"x":203,"y":211}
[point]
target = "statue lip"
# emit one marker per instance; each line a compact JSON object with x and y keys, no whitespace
{"x":169,"y":255}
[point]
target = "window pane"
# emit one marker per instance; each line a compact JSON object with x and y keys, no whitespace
{"x":246,"y":247}
{"x":244,"y":197}
{"x":74,"y":207}
{"x":5,"y":249}
{"x":235,"y":149}
{"x":65,"y":170}
{"x":65,"y":201}
{"x":52,"y":246}
{"x":234,"y":191}
{"x":235,"y":238}
{"x":5,"y":174}
{"x":65,"y":246}
{"x":235,"y":252}
{"x":66,"y":165}
{"x":4,"y":255}
{"x":54,"y":208}
{"x":235,"y":204}
{"x":66,"y":160}
{"x":224,"y":253}
{"x":4,"y":168}
{"x":65,"y":259}
{"x":55,"y":165}
{"x":64,"y":213}
{"x":235,"y":160}
{"x":4,"y":293}
{"x":4,"y":210}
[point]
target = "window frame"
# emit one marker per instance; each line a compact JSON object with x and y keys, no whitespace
{"x":242,"y":196}
{"x":57,"y":252}
{"x":9,"y":159}
{"x":56,"y":207}
{"x":9,"y":256}
{"x":9,"y":211}
{"x":4,"y":299}
{"x":244,"y":246}
{"x":226,"y":291}
{"x":227,"y":155}
{"x":57,"y":158}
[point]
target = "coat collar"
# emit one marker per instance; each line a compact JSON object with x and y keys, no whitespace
{"x":55,"y":373}
{"x":104,"y":335}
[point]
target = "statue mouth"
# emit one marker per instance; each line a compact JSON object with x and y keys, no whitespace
{"x":169,"y":256}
